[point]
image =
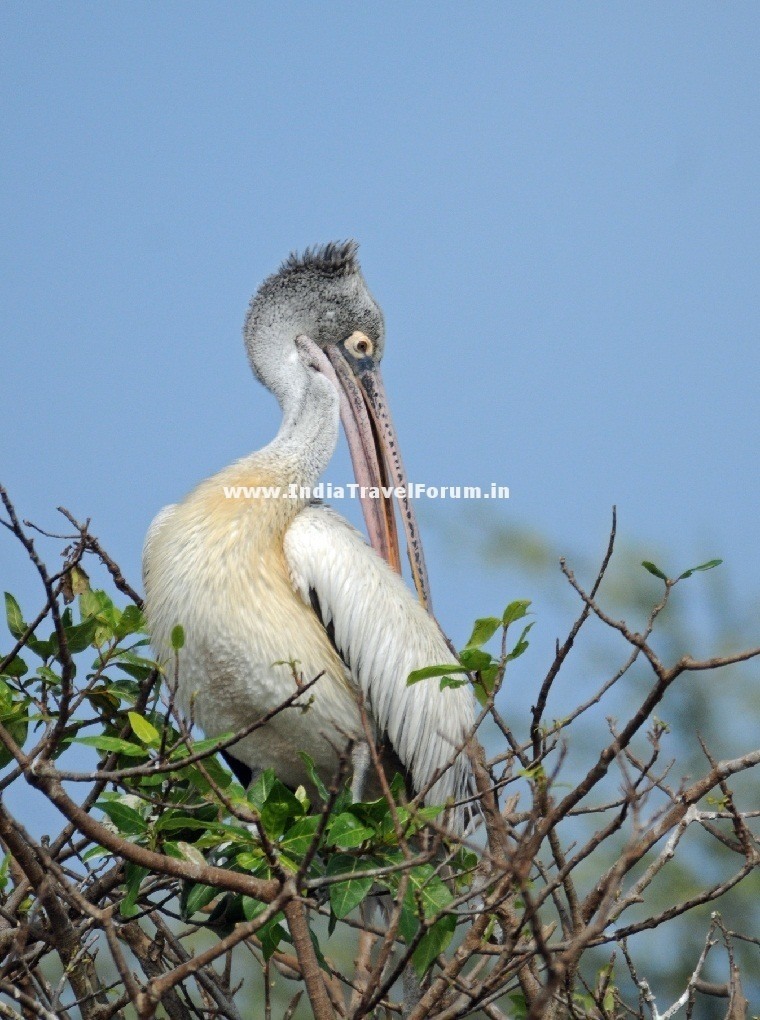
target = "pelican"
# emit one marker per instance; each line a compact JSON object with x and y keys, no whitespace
{"x":272,"y":588}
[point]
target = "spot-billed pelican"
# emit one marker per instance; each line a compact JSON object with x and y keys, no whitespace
{"x":258,"y":580}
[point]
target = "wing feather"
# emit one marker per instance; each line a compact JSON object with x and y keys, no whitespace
{"x":383,"y":633}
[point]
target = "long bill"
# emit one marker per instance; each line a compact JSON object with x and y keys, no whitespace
{"x":377,"y":463}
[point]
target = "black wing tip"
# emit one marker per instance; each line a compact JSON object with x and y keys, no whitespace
{"x":329,"y":627}
{"x":242,"y":772}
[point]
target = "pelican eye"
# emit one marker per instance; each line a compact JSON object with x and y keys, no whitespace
{"x":360,"y":345}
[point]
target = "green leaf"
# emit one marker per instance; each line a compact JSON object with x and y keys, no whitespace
{"x":13,"y":615}
{"x":144,"y":730}
{"x":464,"y":863}
{"x":483,"y":631}
{"x":48,"y":676}
{"x":6,"y":699}
{"x":81,"y":635}
{"x":16,"y":668}
{"x":196,"y":898}
{"x":14,"y":713}
{"x":44,"y":649}
{"x":519,"y":1006}
{"x":430,"y":671}
{"x":300,"y":836}
{"x":270,"y":935}
{"x":188,"y":852}
{"x":128,"y":821}
{"x":134,"y":876}
{"x":255,"y":862}
{"x":426,"y":897}
{"x":132,"y":622}
{"x":91,"y":603}
{"x":95,"y":852}
{"x":102,"y":700}
{"x":481,"y":694}
{"x":433,"y":943}
{"x":178,"y":637}
{"x":345,"y":896}
{"x":536,"y":772}
{"x":280,"y":806}
{"x":474,"y":659}
{"x":98,"y":604}
{"x":318,"y":953}
{"x":135,"y":666}
{"x":314,"y":775}
{"x":4,"y":871}
{"x":429,"y":812}
{"x":347,"y":832}
{"x":261,"y":789}
{"x":515,"y":611}
{"x":171,"y":821}
{"x":103,"y":743}
{"x":125,"y":690}
{"x":252,"y":908}
{"x":409,"y":923}
{"x":450,"y":681}
{"x":521,"y":644}
{"x":398,"y":787}
{"x":484,"y":682}
{"x":702,"y":566}
{"x":654,"y":569}
{"x":215,"y":771}
{"x":427,"y":889}
{"x":372,"y":811}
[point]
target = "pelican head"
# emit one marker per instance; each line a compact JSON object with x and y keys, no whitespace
{"x":316,"y":313}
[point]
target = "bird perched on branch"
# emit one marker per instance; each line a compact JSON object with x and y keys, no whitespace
{"x":271,"y":587}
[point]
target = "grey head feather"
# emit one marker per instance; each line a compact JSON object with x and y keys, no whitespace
{"x":321,"y":293}
{"x":321,"y":268}
{"x":336,"y":258}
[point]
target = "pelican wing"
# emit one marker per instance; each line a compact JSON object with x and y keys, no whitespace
{"x":382,"y":634}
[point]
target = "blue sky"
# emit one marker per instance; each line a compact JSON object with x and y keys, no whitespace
{"x":558,"y":209}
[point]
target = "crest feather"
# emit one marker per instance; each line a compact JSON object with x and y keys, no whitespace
{"x":337,"y":258}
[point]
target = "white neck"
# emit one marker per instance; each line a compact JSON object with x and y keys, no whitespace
{"x":308,"y":434}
